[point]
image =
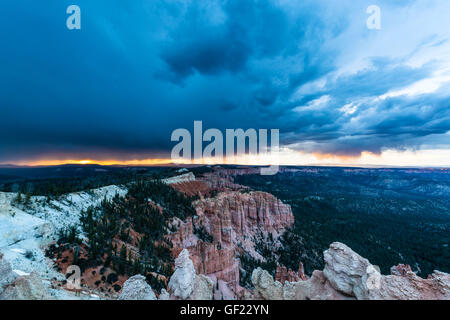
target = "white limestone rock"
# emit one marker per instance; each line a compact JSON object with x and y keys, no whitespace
{"x":164,"y":295}
{"x":182,"y":282}
{"x":6,"y":274}
{"x":265,"y":286}
{"x":348,"y":272}
{"x":355,"y":276}
{"x":136,"y":288}
{"x":315,"y":288}
{"x":203,"y":288}
{"x":28,"y":287}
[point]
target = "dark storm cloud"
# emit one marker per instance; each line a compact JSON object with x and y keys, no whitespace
{"x":138,"y":70}
{"x":225,"y":43}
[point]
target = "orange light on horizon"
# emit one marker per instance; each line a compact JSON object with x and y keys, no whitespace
{"x":431,"y":157}
{"x":55,"y":162}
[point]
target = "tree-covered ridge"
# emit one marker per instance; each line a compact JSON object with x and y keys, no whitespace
{"x":288,"y":250}
{"x":59,"y":180}
{"x":128,"y":234}
{"x":55,"y":187}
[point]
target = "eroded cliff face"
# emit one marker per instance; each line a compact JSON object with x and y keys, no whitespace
{"x":234,"y":216}
{"x":232,"y":219}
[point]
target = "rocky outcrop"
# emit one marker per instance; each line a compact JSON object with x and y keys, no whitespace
{"x":232,"y":219}
{"x":203,"y":288}
{"x":265,"y":286}
{"x":221,"y":263}
{"x":187,"y":177}
{"x":182,"y":282}
{"x":234,"y":216}
{"x":185,"y":284}
{"x":315,"y":288}
{"x":223,"y":179}
{"x":29,"y":287}
{"x":24,"y":287}
{"x":6,"y":274}
{"x":193,"y":188}
{"x":347,"y":271}
{"x":164,"y":295}
{"x":283,"y":274}
{"x":401,"y":270}
{"x":136,"y":288}
{"x":347,"y":275}
{"x":353,"y":275}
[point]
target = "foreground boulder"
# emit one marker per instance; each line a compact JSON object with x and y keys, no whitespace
{"x":353,"y":275}
{"x":347,"y":275}
{"x":315,"y":288}
{"x":29,"y":287}
{"x":348,"y":272}
{"x":164,"y":295}
{"x":26,"y":287}
{"x":203,"y":288}
{"x":6,"y":274}
{"x":136,"y":288}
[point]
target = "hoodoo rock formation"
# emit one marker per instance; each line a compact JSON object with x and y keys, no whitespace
{"x":234,"y":215}
{"x":283,"y":274}
{"x":185,"y":284}
{"x":230,"y":220}
{"x":183,"y":280}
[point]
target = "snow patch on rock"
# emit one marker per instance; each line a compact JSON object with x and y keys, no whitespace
{"x":25,"y":230}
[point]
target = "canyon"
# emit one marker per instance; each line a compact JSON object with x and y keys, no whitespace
{"x":229,"y":221}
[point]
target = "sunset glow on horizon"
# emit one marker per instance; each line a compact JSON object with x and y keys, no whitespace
{"x":388,"y":158}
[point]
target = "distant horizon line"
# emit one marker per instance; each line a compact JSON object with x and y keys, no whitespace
{"x":330,"y":165}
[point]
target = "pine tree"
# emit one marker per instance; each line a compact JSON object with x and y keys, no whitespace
{"x":122,"y":259}
{"x":19,"y":197}
{"x":27,"y":198}
{"x":76,"y":254}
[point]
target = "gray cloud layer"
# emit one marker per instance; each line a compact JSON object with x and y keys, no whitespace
{"x":138,"y":70}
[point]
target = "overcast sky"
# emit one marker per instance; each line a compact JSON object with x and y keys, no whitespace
{"x":139,"y":69}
